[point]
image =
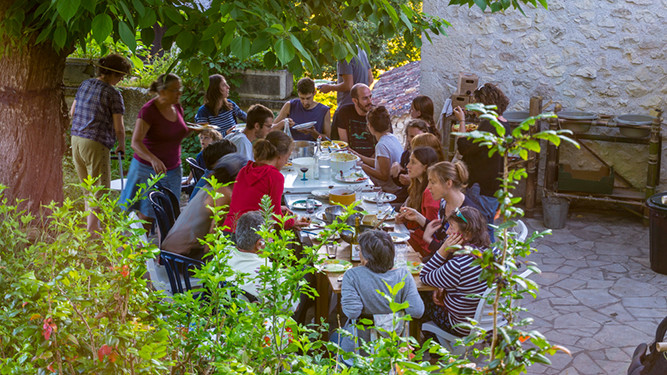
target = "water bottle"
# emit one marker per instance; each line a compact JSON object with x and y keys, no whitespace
{"x":316,"y":158}
{"x":287,"y":129}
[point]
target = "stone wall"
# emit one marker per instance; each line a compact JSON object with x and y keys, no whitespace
{"x":603,"y":56}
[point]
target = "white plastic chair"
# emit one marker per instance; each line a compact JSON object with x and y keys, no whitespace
{"x":521,"y":230}
{"x":483,"y":316}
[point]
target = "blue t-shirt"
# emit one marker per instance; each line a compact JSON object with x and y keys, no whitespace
{"x":225,"y":118}
{"x":301,"y":115}
{"x":358,"y":67}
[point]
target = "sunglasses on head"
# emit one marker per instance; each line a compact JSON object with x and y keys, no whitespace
{"x":459,"y":214}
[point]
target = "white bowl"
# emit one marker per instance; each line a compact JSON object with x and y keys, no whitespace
{"x":306,"y":162}
{"x":342,"y":161}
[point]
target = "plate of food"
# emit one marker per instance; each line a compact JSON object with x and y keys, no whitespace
{"x":320,"y":194}
{"x":415,"y":267}
{"x":301,"y":204}
{"x":334,"y":145}
{"x":384,"y":197}
{"x":200,"y":127}
{"x":398,"y":237}
{"x":353,"y":177}
{"x":305,"y":125}
{"x":469,"y":127}
{"x":335,"y":265}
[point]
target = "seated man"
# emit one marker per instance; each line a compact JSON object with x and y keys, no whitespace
{"x":196,"y":220}
{"x":305,"y":109}
{"x":359,"y":294}
{"x":210,"y":156}
{"x":259,"y":122}
{"x":350,"y":120}
{"x":246,"y":259}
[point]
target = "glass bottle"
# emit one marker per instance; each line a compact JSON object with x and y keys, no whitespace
{"x":316,"y":160}
{"x":354,"y":250}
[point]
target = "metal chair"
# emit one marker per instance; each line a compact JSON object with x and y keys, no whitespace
{"x":163,"y":213}
{"x":197,"y":170}
{"x":175,"y":202}
{"x":178,"y":269}
{"x":482,"y":315}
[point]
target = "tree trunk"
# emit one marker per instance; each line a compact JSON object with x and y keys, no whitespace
{"x":33,"y":122}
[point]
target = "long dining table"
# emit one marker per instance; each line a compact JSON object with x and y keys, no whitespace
{"x":329,"y":284}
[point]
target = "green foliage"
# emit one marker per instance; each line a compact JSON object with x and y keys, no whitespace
{"x":499,"y":5}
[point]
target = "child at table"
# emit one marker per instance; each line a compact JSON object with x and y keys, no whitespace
{"x":457,"y":277}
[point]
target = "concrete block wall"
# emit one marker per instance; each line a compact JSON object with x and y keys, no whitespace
{"x":602,"y":56}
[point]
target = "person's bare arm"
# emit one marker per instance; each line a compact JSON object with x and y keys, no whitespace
{"x":379,"y":171}
{"x":71,"y":111}
{"x":370,"y":77}
{"x":327,"y":124}
{"x":119,"y":128}
{"x":345,"y":85}
{"x":140,"y":130}
{"x":283,"y":114}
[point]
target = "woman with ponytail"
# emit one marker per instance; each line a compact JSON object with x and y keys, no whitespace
{"x":262,"y":177}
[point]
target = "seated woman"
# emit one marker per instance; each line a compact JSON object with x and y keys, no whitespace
{"x":218,"y":110}
{"x":446,"y":181}
{"x":429,"y":140}
{"x":360,"y":285}
{"x":484,"y":169}
{"x":388,"y":150}
{"x":398,"y":170}
{"x":262,"y":177}
{"x":420,"y":197}
{"x":456,"y":274}
{"x":422,"y":108}
{"x":196,"y":220}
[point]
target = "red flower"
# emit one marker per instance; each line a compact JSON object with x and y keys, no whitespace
{"x":524,"y":338}
{"x":50,"y":367}
{"x":125,"y":271}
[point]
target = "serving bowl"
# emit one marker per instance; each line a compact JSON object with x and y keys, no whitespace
{"x":578,"y":122}
{"x":343,"y":196}
{"x":342,"y":161}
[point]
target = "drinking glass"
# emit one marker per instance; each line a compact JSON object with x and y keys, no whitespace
{"x":304,"y":170}
{"x":331,"y":249}
{"x":310,"y":206}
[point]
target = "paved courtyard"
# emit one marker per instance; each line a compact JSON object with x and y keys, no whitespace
{"x":598,"y":295}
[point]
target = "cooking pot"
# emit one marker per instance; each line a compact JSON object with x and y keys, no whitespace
{"x":303,"y":149}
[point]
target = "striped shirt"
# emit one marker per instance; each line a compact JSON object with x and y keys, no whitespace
{"x":459,"y":278}
{"x":224,"y":120}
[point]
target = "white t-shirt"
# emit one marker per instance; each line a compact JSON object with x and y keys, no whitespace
{"x":388,"y":147}
{"x":243,"y":144}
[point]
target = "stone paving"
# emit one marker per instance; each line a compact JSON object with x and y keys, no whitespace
{"x":598,"y":295}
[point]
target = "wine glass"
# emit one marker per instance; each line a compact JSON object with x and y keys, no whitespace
{"x":304,"y":170}
{"x":310,"y":206}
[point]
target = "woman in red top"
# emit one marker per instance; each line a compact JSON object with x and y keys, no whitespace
{"x":262,"y":177}
{"x":419,"y":196}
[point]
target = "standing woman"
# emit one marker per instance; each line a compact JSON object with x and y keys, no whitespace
{"x":422,"y":108}
{"x":446,"y":181}
{"x":97,"y":122}
{"x":156,"y":141}
{"x":218,"y":110}
{"x":262,"y":177}
{"x":419,"y":196}
{"x":388,"y":150}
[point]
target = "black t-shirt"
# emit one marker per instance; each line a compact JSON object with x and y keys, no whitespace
{"x":482,"y":169}
{"x":358,"y":136}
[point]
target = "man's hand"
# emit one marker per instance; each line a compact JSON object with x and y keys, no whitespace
{"x":325,"y":88}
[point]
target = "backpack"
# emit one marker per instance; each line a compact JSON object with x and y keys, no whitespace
{"x":653,"y":363}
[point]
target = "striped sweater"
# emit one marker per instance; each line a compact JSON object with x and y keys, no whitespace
{"x":224,"y":119}
{"x":459,"y":278}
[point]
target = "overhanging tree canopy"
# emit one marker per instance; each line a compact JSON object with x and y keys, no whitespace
{"x":36,"y":36}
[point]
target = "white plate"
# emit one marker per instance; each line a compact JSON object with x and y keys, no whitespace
{"x":352,"y":178}
{"x":202,"y":126}
{"x":335,"y":265}
{"x":386,"y":197}
{"x":301,"y":204}
{"x":320,"y":193}
{"x":305,"y":125}
{"x":399,"y":237}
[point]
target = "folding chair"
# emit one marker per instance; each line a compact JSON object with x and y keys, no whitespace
{"x":163,"y":213}
{"x":175,"y":202}
{"x":197,"y":170}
